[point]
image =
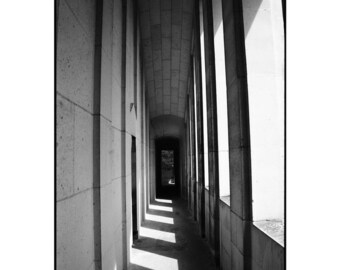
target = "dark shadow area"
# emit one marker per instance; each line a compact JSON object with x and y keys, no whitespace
{"x":170,"y":239}
{"x":167,"y":168}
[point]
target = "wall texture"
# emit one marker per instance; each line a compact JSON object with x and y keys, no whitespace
{"x":99,"y":76}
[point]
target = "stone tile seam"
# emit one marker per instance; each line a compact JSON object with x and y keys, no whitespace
{"x":110,"y":182}
{"x":91,"y":265}
{"x":78,"y":20}
{"x":224,"y":248}
{"x":74,"y":103}
{"x":75,"y":194}
{"x":235,"y":245}
{"x":93,"y":114}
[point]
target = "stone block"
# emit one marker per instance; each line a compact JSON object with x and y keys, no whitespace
{"x":84,"y":10}
{"x":157,"y":60}
{"x":107,"y":30}
{"x":116,"y":104}
{"x":116,"y":153}
{"x":117,"y":16}
{"x":225,"y":260}
{"x":165,"y":5}
{"x":83,"y":150}
{"x":173,"y":108}
{"x":186,"y":26}
{"x":147,"y":51}
{"x":155,"y":12}
{"x":166,"y":70}
{"x":174,"y":96}
{"x":158,"y":79}
{"x":75,"y":59}
{"x":65,"y":148}
{"x":236,"y":184}
{"x":237,"y":231}
{"x":166,"y":23}
{"x":74,"y":229}
{"x":145,"y":25}
{"x":156,"y":37}
{"x":106,"y":152}
{"x":111,"y":213}
{"x":225,"y":227}
{"x":176,"y":10}
{"x":236,"y":258}
{"x":117,"y":56}
{"x":176,"y":33}
{"x":175,"y":59}
{"x":166,"y":48}
{"x":188,"y":6}
{"x":143,"y":5}
{"x":234,"y":128}
{"x":174,"y":78}
{"x":106,"y":88}
{"x":166,"y":87}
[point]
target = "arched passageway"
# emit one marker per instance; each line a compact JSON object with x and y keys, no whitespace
{"x":170,"y":134}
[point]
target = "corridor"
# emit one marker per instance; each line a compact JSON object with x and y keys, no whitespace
{"x":159,"y":97}
{"x":170,"y":240}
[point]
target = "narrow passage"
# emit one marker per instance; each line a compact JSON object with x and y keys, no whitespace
{"x":169,"y":240}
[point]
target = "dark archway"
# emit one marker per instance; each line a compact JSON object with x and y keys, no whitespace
{"x":167,"y":168}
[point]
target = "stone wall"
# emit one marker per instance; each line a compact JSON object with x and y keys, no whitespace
{"x":98,"y":76}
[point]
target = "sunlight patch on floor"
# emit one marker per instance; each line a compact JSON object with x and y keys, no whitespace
{"x":163,"y":201}
{"x":153,"y":261}
{"x":161,"y":219}
{"x":159,"y":235}
{"x":161,"y":208}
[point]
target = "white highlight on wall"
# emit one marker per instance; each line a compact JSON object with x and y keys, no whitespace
{"x":221,"y":95}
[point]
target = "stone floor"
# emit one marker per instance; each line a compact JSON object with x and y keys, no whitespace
{"x":169,"y":240}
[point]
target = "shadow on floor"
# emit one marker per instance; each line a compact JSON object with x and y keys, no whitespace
{"x":169,"y":240}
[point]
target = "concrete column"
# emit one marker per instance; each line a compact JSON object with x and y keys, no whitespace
{"x":239,"y":142}
{"x":188,"y":146}
{"x":193,"y":146}
{"x":214,"y":192}
{"x":199,"y":112}
{"x":97,"y":144}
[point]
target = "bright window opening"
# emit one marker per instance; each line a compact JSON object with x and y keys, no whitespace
{"x":168,"y":169}
{"x":221,"y":94}
{"x":204,"y":101}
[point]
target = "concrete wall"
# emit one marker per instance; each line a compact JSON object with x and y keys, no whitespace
{"x":74,"y":185}
{"x":266,"y":253}
{"x":96,"y":79}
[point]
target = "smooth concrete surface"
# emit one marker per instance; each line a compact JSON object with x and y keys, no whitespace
{"x":170,"y":239}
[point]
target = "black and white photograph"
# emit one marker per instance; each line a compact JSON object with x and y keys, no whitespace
{"x":171,"y":142}
{"x":170,"y":134}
